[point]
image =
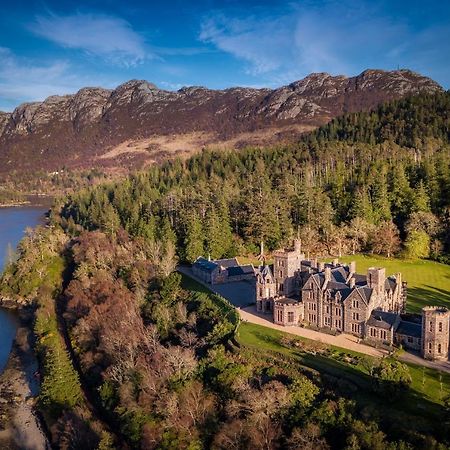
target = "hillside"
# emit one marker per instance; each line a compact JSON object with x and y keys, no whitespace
{"x":138,"y":123}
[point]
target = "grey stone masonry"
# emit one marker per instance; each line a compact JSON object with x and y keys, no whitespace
{"x":435,"y":332}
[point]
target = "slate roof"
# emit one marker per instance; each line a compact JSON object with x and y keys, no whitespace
{"x":339,"y":274}
{"x":230,"y":262}
{"x":205,"y":265}
{"x":382,"y":319}
{"x":410,"y":329}
{"x":390,"y":283}
{"x":240,"y":270}
{"x":365,"y":291}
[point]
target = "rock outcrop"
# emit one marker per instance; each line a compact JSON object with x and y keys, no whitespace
{"x":78,"y":130}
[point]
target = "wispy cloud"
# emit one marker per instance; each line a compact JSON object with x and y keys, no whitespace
{"x":334,"y":36}
{"x":24,"y":80}
{"x":109,"y":37}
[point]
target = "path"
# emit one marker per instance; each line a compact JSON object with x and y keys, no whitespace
{"x":240,"y":295}
{"x":347,"y":341}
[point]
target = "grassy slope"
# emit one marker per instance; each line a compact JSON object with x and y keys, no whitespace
{"x":428,"y":281}
{"x":423,"y":400}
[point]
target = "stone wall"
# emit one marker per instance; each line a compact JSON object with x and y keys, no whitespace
{"x":435,"y":332}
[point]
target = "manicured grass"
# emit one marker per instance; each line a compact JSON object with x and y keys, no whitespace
{"x":428,"y":281}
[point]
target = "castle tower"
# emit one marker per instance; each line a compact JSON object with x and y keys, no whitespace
{"x":435,"y":332}
{"x":265,"y":289}
{"x":286,"y":263}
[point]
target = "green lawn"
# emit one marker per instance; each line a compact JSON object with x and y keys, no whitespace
{"x":424,"y":399}
{"x":428,"y":281}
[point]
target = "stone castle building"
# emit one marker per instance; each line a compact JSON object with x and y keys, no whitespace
{"x":332,"y":297}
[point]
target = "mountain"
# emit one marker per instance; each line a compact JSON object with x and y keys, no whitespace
{"x":138,"y":123}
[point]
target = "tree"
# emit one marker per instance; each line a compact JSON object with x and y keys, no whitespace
{"x":391,"y":378}
{"x":194,"y":239}
{"x":385,"y":239}
{"x":417,"y":245}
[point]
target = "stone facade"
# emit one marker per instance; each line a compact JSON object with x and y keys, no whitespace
{"x":333,"y":297}
{"x":222,"y":270}
{"x":287,"y":312}
{"x":435,"y":332}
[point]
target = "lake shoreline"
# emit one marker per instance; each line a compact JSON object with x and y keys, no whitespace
{"x":20,"y":424}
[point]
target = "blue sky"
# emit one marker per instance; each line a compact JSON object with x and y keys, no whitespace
{"x":57,"y":47}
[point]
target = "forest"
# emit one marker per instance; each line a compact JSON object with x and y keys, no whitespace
{"x":368,"y":182}
{"x":134,"y":356}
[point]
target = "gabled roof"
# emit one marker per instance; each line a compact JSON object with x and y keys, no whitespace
{"x":205,"y":265}
{"x":264,"y":272}
{"x":410,"y":329}
{"x":240,"y":270}
{"x":383,"y":319}
{"x":230,"y":262}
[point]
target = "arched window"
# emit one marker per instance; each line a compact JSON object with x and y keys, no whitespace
{"x":439,"y":348}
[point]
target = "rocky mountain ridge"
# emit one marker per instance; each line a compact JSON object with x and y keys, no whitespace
{"x":79,"y":130}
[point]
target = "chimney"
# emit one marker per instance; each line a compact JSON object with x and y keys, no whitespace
{"x":297,"y":245}
{"x":320,"y":266}
{"x":327,"y":274}
{"x":352,"y":282}
{"x":314,"y":263}
{"x":335,"y":262}
{"x":352,"y":267}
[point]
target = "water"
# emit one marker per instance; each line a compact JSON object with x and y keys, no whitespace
{"x":13,"y":222}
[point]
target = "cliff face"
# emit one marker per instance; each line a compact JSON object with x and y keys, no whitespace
{"x":137,"y":123}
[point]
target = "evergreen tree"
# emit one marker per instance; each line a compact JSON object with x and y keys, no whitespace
{"x":194,"y":239}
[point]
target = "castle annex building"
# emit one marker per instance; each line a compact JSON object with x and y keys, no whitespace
{"x":334,"y":298}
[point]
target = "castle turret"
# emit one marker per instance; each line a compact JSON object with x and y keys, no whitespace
{"x":286,"y":263}
{"x":435,"y":332}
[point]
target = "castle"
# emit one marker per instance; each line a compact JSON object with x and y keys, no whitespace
{"x":332,"y":297}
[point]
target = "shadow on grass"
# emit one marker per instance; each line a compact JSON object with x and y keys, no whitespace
{"x":428,"y":296}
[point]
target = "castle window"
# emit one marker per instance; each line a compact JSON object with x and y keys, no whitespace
{"x":429,"y":347}
{"x":281,"y":287}
{"x":281,"y":274}
{"x":290,"y":316}
{"x":355,"y":304}
{"x":410,"y":339}
{"x":440,"y":328}
{"x":328,"y":309}
{"x":431,"y":325}
{"x":439,"y":348}
{"x":280,"y":316}
{"x":355,"y":316}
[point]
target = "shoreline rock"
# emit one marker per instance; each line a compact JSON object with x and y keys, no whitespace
{"x":20,"y":426}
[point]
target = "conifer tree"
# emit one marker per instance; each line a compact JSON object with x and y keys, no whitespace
{"x":194,"y":239}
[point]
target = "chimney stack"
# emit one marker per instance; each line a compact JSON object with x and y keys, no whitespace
{"x":352,"y":282}
{"x":335,"y":262}
{"x":327,"y":274}
{"x":297,"y":245}
{"x":320,"y":266}
{"x":352,"y":267}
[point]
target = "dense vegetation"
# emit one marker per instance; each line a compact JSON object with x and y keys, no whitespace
{"x":160,"y":357}
{"x":340,"y":196}
{"x":157,"y":353}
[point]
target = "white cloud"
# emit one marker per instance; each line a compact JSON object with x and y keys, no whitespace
{"x":24,"y":80}
{"x":111,"y":38}
{"x":255,"y":40}
{"x":334,"y":36}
